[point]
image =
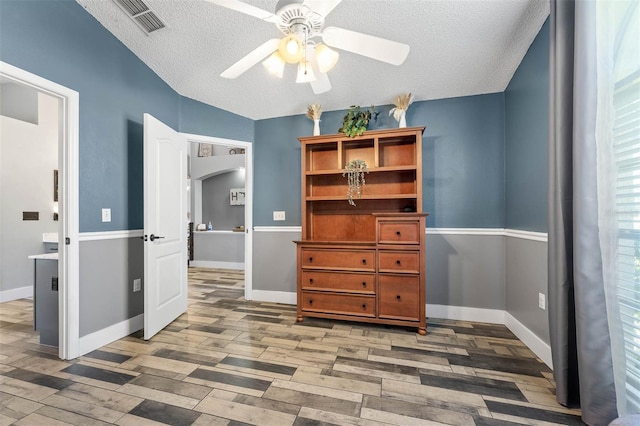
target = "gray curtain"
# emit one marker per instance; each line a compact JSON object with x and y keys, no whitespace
{"x":579,"y":331}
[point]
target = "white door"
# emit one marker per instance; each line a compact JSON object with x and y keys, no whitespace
{"x":165,"y":225}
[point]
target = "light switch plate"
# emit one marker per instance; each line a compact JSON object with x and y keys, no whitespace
{"x":137,"y":285}
{"x":278,"y":215}
{"x":106,"y":215}
{"x":542,"y":301}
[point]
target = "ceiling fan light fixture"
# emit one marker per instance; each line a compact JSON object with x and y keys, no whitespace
{"x":275,"y":64}
{"x":305,"y":73}
{"x":326,"y":57}
{"x":291,"y":49}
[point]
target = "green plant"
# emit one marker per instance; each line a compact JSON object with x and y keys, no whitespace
{"x":356,"y":121}
{"x":355,"y":171}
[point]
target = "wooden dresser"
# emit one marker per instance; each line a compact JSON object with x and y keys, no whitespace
{"x":363,"y":262}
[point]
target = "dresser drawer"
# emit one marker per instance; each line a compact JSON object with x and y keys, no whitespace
{"x":345,"y":304}
{"x":399,"y":232}
{"x":338,"y":281}
{"x":355,"y":260}
{"x":399,"y":297}
{"x":399,"y":261}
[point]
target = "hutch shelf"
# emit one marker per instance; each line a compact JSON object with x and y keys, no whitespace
{"x":363,"y":262}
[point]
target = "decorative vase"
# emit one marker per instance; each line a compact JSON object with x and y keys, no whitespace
{"x":403,"y":121}
{"x":316,"y":127}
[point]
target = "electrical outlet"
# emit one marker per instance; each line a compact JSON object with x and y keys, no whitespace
{"x":541,"y":301}
{"x":278,"y":215}
{"x":106,"y":215}
{"x":137,"y":285}
{"x":54,"y":283}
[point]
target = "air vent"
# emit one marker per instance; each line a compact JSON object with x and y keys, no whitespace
{"x":141,"y":14}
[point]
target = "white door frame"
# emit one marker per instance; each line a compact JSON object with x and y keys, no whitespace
{"x":68,"y":226}
{"x":248,"y":204}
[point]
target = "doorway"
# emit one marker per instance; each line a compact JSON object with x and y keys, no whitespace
{"x":247,"y":149}
{"x":68,"y":222}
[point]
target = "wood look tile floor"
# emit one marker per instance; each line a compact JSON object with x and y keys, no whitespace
{"x":231,"y":362}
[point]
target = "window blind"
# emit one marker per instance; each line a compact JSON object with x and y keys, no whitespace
{"x":626,"y":140}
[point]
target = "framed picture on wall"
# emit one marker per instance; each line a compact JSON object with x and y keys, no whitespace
{"x":236,"y":197}
{"x":205,"y":150}
{"x":55,"y":185}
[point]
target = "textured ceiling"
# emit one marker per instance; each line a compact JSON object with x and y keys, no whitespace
{"x":458,"y":48}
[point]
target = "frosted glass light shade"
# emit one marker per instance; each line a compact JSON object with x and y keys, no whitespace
{"x":305,"y":73}
{"x":326,"y":57}
{"x":274,"y":64}
{"x":291,"y":49}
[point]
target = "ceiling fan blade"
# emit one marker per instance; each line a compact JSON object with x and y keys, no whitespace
{"x":255,"y":56}
{"x":321,"y":84}
{"x":384,"y":50}
{"x":321,"y":7}
{"x":247,"y":9}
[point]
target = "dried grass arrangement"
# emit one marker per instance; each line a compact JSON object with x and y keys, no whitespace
{"x":314,"y":111}
{"x":401,"y":103}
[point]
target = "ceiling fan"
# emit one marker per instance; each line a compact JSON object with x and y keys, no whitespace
{"x":307,"y":43}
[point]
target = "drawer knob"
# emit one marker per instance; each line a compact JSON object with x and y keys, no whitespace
{"x":364,"y":283}
{"x":311,"y":301}
{"x":398,"y":262}
{"x":364,"y":306}
{"x":364,"y":261}
{"x":310,"y":280}
{"x":398,"y":233}
{"x":310,"y":259}
{"x":398,"y":297}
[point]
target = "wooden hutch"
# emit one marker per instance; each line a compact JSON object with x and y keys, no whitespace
{"x":365,"y":262}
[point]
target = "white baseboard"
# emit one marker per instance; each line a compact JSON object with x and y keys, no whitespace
{"x":103,"y":337}
{"x":16,"y":293}
{"x":286,"y":297}
{"x":462,"y":313}
{"x":216,"y":264}
{"x":529,"y":338}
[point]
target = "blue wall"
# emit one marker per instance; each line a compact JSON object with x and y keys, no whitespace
{"x":60,"y":41}
{"x":526,"y":139}
{"x":463,"y":161}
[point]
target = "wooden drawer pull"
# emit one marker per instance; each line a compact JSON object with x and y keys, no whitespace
{"x":364,"y":306}
{"x":311,"y":260}
{"x":398,"y":297}
{"x":311,"y":301}
{"x":310,"y":280}
{"x":364,"y":283}
{"x":398,"y":262}
{"x":364,"y":261}
{"x":398,"y":233}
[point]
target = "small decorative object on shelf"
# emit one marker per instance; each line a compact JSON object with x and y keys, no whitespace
{"x":355,"y":171}
{"x":356,"y":121}
{"x":314,"y":111}
{"x":401,"y":103}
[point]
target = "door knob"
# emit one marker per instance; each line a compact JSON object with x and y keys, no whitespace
{"x":155,"y":237}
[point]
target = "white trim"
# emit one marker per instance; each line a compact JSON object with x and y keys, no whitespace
{"x":277,"y":228}
{"x":216,"y":264}
{"x":99,"y":338}
{"x":110,"y":235}
{"x":68,"y":226}
{"x":286,"y":297}
{"x":463,"y":313}
{"x":494,"y":232}
{"x":529,"y":338}
{"x":218,"y":232}
{"x":466,"y":231}
{"x":526,"y":235}
{"x":25,"y":292}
